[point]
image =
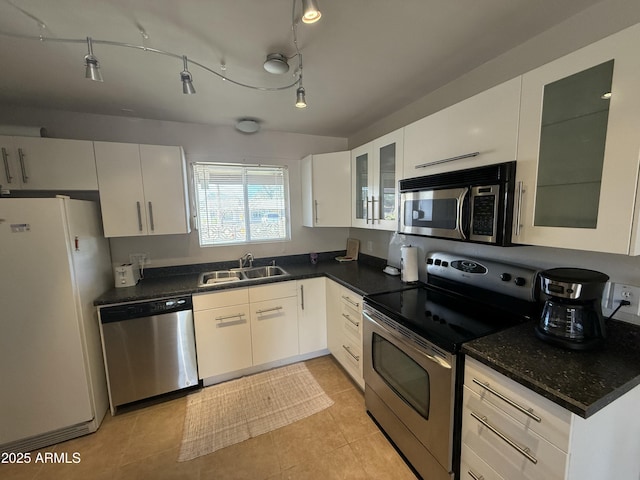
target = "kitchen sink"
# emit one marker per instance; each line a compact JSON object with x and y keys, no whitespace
{"x":263,"y":272}
{"x":239,"y":274}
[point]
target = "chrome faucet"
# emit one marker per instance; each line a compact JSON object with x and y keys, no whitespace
{"x":246,"y":257}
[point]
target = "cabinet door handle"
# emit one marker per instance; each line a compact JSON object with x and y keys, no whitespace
{"x":239,"y":316}
{"x":23,"y":165}
{"x":355,"y":357}
{"x":373,"y":210}
{"x":519,"y":208}
{"x":267,"y":310}
{"x":357,"y":324}
{"x":348,"y":300}
{"x":139,"y":216}
{"x":7,"y":168}
{"x":522,"y":451}
{"x":446,"y":160}
{"x":315,"y":202}
{"x":475,"y":476}
{"x":527,"y":411}
{"x":153,"y":227}
{"x":302,"y":296}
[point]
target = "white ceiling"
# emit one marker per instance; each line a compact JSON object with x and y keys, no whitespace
{"x":363,"y":60}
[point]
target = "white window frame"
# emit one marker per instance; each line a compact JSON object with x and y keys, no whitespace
{"x":199,"y":223}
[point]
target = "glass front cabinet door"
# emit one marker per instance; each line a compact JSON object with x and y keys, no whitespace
{"x":578,"y":149}
{"x":376,"y":168}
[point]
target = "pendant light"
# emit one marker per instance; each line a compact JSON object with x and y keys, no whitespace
{"x":301,"y":102}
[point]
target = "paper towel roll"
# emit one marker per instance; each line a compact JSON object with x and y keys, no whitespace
{"x":409,"y":261}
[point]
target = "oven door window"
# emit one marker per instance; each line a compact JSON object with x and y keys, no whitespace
{"x":402,"y":374}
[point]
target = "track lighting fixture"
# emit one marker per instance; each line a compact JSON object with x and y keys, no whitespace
{"x":310,"y":11}
{"x":185,"y":76}
{"x":276,"y":63}
{"x":92,"y":70}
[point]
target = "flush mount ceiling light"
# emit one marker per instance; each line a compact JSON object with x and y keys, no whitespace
{"x":275,"y":63}
{"x":247,"y":125}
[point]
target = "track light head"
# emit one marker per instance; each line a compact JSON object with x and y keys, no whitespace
{"x":92,"y":70}
{"x":310,"y":11}
{"x":300,"y":99}
{"x":187,"y":79}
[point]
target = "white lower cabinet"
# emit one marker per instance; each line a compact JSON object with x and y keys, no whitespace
{"x":274,"y":323}
{"x":344,"y":329}
{"x":510,"y":432}
{"x":266,"y":325}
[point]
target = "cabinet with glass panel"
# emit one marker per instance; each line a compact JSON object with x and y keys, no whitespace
{"x":578,"y":149}
{"x":376,"y":168}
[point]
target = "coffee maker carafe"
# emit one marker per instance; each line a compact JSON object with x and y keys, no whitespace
{"x":572,"y":313}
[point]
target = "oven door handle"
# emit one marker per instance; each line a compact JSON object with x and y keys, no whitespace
{"x":460,"y":213}
{"x":439,"y":361}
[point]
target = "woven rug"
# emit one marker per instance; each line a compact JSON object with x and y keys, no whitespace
{"x":231,"y":412}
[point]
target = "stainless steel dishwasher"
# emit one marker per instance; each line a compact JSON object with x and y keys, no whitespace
{"x":149,"y":348}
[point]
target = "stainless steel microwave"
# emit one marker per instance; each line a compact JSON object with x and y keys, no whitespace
{"x":472,"y":205}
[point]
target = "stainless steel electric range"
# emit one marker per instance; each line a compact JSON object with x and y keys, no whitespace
{"x":412,"y":339}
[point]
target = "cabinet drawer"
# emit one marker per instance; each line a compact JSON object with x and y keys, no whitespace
{"x":273,"y":290}
{"x":547,"y":461}
{"x":472,"y":467}
{"x":235,"y":296}
{"x":351,"y":300}
{"x":499,"y":391}
{"x":223,"y":340}
{"x":351,"y":324}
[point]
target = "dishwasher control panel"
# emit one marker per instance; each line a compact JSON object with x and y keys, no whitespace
{"x":128,"y":311}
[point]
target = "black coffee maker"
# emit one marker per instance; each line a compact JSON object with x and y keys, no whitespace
{"x":572,"y":313}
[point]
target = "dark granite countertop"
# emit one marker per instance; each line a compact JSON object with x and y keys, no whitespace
{"x":583,"y":382}
{"x":364,"y":277}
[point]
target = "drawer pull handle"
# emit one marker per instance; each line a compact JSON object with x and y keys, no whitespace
{"x":348,"y":300}
{"x":229,"y":317}
{"x":450,"y":159}
{"x":267,"y":310}
{"x":355,"y":357}
{"x":522,"y":451}
{"x":475,"y":476}
{"x":357,"y":324}
{"x":527,"y":411}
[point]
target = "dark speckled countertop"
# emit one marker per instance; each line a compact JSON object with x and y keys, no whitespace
{"x":583,"y":382}
{"x":364,"y":277}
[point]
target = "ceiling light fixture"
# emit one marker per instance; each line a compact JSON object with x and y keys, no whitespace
{"x":92,"y":70}
{"x":247,"y":125}
{"x":310,"y":11}
{"x":185,"y":76}
{"x":275,"y":62}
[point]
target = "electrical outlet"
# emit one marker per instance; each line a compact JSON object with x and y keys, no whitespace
{"x":369,"y":246}
{"x":629,"y":293}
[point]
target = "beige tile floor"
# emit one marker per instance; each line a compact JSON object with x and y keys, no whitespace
{"x":340,"y":442}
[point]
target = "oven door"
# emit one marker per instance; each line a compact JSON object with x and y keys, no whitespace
{"x":414,"y":380}
{"x":436,"y":213}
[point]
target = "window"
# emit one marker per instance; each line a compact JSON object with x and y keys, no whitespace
{"x":241,"y":204}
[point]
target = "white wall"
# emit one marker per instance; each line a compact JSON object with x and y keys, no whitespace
{"x":201,"y":143}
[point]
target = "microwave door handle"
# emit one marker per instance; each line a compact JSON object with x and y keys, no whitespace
{"x":461,"y":199}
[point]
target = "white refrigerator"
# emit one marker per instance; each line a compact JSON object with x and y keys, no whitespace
{"x":54,"y":261}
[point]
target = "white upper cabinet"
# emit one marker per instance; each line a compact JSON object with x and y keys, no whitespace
{"x":326,"y":190}
{"x":482,"y":130}
{"x":578,"y":149}
{"x":376,"y":168}
{"x":33,"y":163}
{"x":142,"y":189}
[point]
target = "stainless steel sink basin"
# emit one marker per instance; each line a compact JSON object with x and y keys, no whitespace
{"x":263,"y":272}
{"x":219,"y":276}
{"x":239,"y":274}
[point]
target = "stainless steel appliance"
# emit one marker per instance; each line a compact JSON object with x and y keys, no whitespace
{"x":149,"y":348}
{"x":473,"y":205}
{"x":572,"y":313}
{"x":412,"y":338}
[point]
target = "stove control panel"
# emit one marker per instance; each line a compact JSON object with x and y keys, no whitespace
{"x":506,"y":278}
